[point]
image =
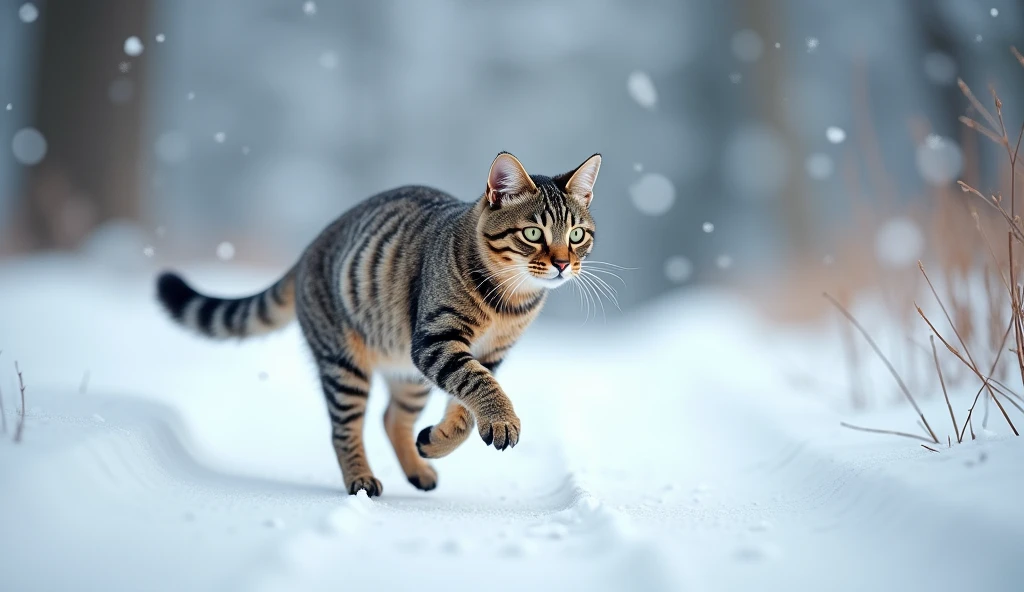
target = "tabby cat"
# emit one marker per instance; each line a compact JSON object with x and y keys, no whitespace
{"x":426,"y":290}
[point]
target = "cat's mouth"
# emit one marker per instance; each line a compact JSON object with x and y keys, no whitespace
{"x":550,"y":283}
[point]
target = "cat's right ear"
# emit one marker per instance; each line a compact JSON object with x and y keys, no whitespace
{"x":508,"y":178}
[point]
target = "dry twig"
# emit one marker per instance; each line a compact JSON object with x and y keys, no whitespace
{"x":895,"y":375}
{"x":21,"y":419}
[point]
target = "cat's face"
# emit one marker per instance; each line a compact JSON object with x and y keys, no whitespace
{"x":535,"y":231}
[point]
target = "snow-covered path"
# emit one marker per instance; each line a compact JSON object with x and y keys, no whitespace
{"x":673,"y":455}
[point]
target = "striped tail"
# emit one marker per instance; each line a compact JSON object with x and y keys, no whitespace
{"x":221,"y":318}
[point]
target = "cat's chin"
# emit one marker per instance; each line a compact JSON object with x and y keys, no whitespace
{"x":548,"y":283}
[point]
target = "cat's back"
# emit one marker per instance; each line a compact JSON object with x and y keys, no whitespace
{"x":368,"y":261}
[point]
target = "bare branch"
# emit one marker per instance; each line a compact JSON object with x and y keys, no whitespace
{"x":21,"y":419}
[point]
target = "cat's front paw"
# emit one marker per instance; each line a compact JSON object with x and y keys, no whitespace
{"x":502,"y":431}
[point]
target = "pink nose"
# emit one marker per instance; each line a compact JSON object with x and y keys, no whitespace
{"x":561,"y":264}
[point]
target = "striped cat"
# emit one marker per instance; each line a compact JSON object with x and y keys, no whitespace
{"x":426,"y":290}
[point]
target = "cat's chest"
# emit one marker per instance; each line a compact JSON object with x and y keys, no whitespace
{"x":494,"y":336}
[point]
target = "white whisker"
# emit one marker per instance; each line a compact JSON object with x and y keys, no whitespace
{"x":604,"y":286}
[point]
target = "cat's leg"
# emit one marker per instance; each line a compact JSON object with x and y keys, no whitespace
{"x":443,"y":356}
{"x":440,"y":440}
{"x":408,"y":398}
{"x":345,"y":377}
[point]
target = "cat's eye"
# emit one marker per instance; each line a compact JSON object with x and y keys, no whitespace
{"x":577,"y":235}
{"x":533,"y":234}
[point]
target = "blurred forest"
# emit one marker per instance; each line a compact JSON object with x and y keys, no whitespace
{"x":742,"y":139}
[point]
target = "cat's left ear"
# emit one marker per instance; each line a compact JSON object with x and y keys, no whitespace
{"x":580,"y":182}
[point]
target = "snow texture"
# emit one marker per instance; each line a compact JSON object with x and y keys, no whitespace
{"x":651,"y":464}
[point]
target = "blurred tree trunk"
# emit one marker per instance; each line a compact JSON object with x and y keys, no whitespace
{"x":87,"y":95}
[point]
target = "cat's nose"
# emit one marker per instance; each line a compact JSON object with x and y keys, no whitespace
{"x":561,"y":264}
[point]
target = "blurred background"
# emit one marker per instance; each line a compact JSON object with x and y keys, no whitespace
{"x":749,"y":142}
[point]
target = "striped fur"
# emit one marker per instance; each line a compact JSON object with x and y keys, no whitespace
{"x":426,"y":290}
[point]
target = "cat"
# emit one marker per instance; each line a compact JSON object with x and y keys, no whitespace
{"x":426,"y":290}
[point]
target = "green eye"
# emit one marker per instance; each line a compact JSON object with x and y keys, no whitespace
{"x":577,"y":235}
{"x":533,"y":234}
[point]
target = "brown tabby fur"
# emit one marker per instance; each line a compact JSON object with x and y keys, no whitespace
{"x":426,"y":290}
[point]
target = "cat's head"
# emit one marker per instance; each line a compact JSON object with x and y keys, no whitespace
{"x":536,"y":230}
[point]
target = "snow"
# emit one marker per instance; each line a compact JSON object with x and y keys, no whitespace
{"x":994,"y":12}
{"x":899,"y":242}
{"x":940,"y":68}
{"x":678,"y":269}
{"x":735,"y":77}
{"x":225,"y":251}
{"x":641,"y":88}
{"x":835,"y":135}
{"x":747,"y":46}
{"x":10,"y":106}
{"x":939,"y":160}
{"x":707,"y":227}
{"x":309,"y":8}
{"x":29,"y":146}
{"x":172,"y":147}
{"x":160,"y":37}
{"x":819,"y":166}
{"x":133,"y":46}
{"x":812,"y":44}
{"x":329,"y":60}
{"x":653,"y":194}
{"x":723,"y":261}
{"x":677,"y":455}
{"x":755,"y":163}
{"x":28,"y":13}
{"x":219,"y":137}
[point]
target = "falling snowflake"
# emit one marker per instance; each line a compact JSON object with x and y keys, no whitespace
{"x":641,"y":88}
{"x":133,"y":46}
{"x":747,"y":46}
{"x":225,"y":251}
{"x":309,"y":8}
{"x":329,"y":60}
{"x":836,"y":135}
{"x":639,"y":168}
{"x":828,"y":260}
{"x":678,"y":269}
{"x":819,"y":166}
{"x":245,"y":150}
{"x":161,"y":231}
{"x":899,"y":242}
{"x":219,"y":137}
{"x":778,"y":45}
{"x":29,"y":146}
{"x":978,"y":38}
{"x":10,"y":106}
{"x":812,"y":44}
{"x":939,"y":160}
{"x":994,"y":12}
{"x":940,"y":68}
{"x":723,"y":261}
{"x":148,"y":251}
{"x":735,"y":77}
{"x":653,"y":194}
{"x":124,"y":67}
{"x":160,"y":38}
{"x":708,"y":227}
{"x":28,"y":13}
{"x":190,"y":96}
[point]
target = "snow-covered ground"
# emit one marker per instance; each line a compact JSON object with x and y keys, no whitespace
{"x":663,"y":450}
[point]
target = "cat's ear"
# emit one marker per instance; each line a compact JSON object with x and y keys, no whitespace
{"x":507,"y":179}
{"x":580,"y":182}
